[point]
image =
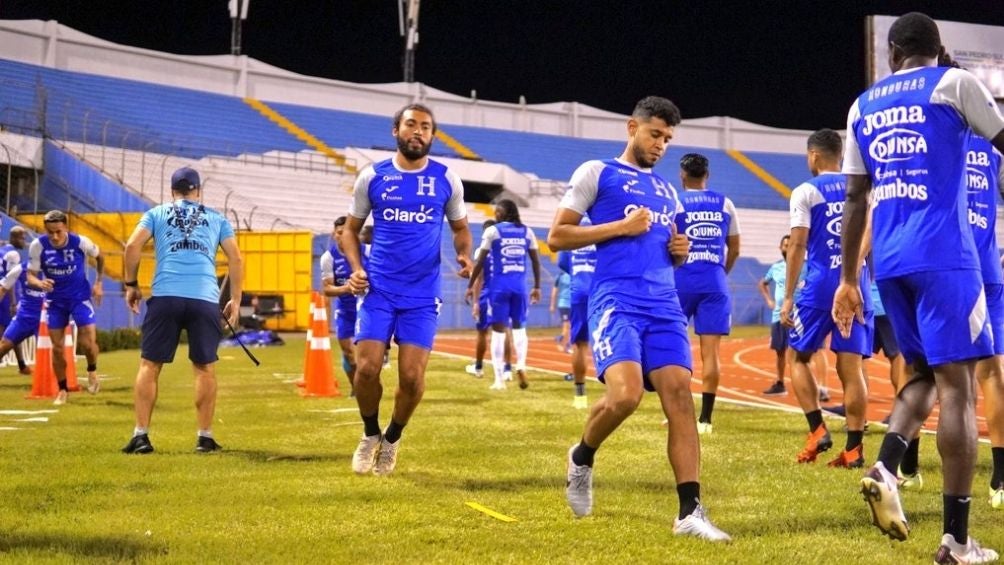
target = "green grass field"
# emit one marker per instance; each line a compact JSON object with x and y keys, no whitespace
{"x":282,"y":491}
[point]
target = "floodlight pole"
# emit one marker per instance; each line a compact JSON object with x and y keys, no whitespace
{"x":238,"y":13}
{"x":408,"y":21}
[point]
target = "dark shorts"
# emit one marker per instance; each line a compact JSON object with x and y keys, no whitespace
{"x":565,"y":313}
{"x":885,"y":338}
{"x":778,"y":337}
{"x":166,"y":316}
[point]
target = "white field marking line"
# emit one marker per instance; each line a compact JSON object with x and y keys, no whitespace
{"x":344,"y":424}
{"x":745,"y":365}
{"x":287,"y":375}
{"x":528,"y":367}
{"x":8,"y":429}
{"x":335,"y":410}
{"x":771,"y":374}
{"x":35,"y":419}
{"x":26,"y":412}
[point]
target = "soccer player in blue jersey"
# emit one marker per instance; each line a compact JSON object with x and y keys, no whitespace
{"x":184,"y":296}
{"x":581,"y":263}
{"x":561,"y":302}
{"x":12,"y":271}
{"x":509,"y":242}
{"x":29,"y":305}
{"x":479,"y":311}
{"x":638,"y":330}
{"x":984,"y":178}
{"x":776,"y":274}
{"x":710,"y":223}
{"x":905,"y":159}
{"x":335,"y":272}
{"x":410,"y":196}
{"x":816,"y":207}
{"x":62,"y":257}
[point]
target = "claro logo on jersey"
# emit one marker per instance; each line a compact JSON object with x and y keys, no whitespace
{"x":422,"y":216}
{"x":663,"y":218}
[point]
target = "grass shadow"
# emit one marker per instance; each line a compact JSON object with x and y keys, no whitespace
{"x":102,"y":547}
{"x":259,"y":456}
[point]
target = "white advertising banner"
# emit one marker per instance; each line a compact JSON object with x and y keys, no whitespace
{"x":978,"y":48}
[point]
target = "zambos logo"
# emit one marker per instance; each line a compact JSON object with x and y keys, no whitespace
{"x":897,"y":144}
{"x":704,"y":230}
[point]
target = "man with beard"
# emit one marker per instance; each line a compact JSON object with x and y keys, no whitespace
{"x":638,"y":330}
{"x":409,"y":196}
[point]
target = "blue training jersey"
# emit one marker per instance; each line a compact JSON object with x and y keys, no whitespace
{"x":334,"y":265}
{"x":983,"y":177}
{"x":10,"y":270}
{"x":30,"y":299}
{"x":635,"y":272}
{"x":818,"y":204}
{"x":708,"y":219}
{"x":580,"y":264}
{"x":507,"y":246}
{"x":908,"y":132}
{"x":186,"y":236}
{"x":65,"y":266}
{"x":409,"y":208}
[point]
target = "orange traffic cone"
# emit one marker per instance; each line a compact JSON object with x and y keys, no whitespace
{"x":318,"y":373}
{"x":70,"y":355}
{"x":43,"y":381}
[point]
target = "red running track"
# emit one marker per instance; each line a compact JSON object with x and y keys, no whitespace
{"x":747,"y":368}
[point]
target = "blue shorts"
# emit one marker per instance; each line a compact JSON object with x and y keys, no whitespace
{"x":578,"y":323}
{"x":505,"y":306}
{"x":5,"y":315}
{"x":885,"y":338}
{"x":410,"y":320}
{"x":60,"y":312}
{"x":652,"y":341}
{"x":166,"y":316}
{"x":940,"y":316}
{"x":482,"y":323}
{"x":22,"y":327}
{"x":995,"y":308}
{"x":711,"y":311}
{"x":345,"y":323}
{"x":778,"y":337}
{"x":812,"y":325}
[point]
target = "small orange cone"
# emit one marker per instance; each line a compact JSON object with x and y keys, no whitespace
{"x":70,"y":355}
{"x":43,"y":381}
{"x":318,"y":373}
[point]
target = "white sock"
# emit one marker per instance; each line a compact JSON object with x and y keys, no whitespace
{"x":498,"y":354}
{"x":205,"y":433}
{"x":138,"y":431}
{"x":520,"y":342}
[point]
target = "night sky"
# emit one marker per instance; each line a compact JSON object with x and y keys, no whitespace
{"x":783,"y":64}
